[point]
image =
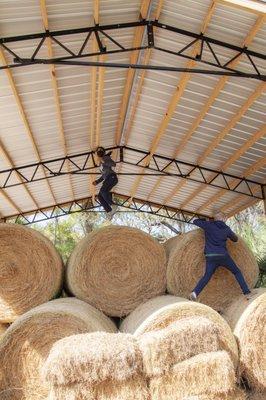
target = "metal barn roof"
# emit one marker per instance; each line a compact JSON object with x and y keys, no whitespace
{"x":200,"y":136}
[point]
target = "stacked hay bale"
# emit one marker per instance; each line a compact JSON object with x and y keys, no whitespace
{"x":117,"y":268}
{"x":188,"y":349}
{"x":96,"y":366}
{"x":186,"y":266}
{"x":27,"y":342}
{"x":247,"y":319}
{"x":170,"y":244}
{"x":169,"y":348}
{"x":31,"y":271}
{"x":3,"y":328}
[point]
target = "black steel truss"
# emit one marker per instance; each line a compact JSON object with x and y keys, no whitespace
{"x":208,"y":48}
{"x":85,"y":163}
{"x":86,"y":205}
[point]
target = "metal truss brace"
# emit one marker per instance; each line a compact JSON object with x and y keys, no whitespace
{"x":86,"y":205}
{"x":170,"y":168}
{"x":211,"y":49}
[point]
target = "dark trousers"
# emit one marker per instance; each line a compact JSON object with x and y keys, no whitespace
{"x":212,"y":263}
{"x":105,"y":195}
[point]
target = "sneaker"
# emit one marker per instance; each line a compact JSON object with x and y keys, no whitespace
{"x":193,"y":296}
{"x":114,"y":210}
{"x":248,"y":295}
{"x":109,"y":215}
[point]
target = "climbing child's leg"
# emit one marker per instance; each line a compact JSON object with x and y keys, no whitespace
{"x":232,"y":267}
{"x":211,"y":266}
{"x":103,"y":202}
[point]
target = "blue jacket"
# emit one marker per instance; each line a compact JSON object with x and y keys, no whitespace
{"x":216,"y":234}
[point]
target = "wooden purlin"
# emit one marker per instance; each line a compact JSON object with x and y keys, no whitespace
{"x":215,"y":93}
{"x":52,"y":71}
{"x":147,"y":56}
{"x":249,"y":143}
{"x":236,"y":118}
{"x":94,"y":71}
{"x":185,"y":77}
{"x":131,"y":72}
{"x":24,"y":118}
{"x":253,"y":168}
{"x":11,"y":164}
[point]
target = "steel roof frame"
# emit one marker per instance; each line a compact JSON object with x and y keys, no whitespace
{"x":71,"y":57}
{"x":85,"y":163}
{"x":87,"y":205}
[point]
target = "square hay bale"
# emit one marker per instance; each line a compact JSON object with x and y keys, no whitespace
{"x":209,"y":373}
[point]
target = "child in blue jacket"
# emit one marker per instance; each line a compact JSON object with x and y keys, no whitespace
{"x":216,"y":253}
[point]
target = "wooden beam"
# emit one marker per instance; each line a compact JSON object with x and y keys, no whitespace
{"x":52,"y":71}
{"x":159,"y":10}
{"x":94,"y":71}
{"x":101,"y":73}
{"x":215,"y":93}
{"x":147,"y":56}
{"x":236,"y":118}
{"x":218,"y":88}
{"x":241,"y":208}
{"x":4,"y":153}
{"x":174,"y":101}
{"x":251,"y":6}
{"x":10,"y":201}
{"x":131,"y":72}
{"x":260,"y":163}
{"x":249,"y":143}
{"x":24,"y":118}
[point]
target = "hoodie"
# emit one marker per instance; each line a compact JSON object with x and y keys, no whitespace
{"x":106,"y":167}
{"x":216,"y":234}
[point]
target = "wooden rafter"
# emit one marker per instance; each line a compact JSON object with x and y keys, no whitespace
{"x":147,"y":56}
{"x":236,"y":118}
{"x":235,"y":156}
{"x":55,"y":89}
{"x":215,"y":93}
{"x":215,"y":142}
{"x":4,"y":153}
{"x":10,"y":201}
{"x":184,"y":79}
{"x":24,"y":118}
{"x":131,"y":72}
{"x":249,"y":171}
{"x":95,"y":111}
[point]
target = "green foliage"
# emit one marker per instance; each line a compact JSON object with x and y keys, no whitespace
{"x":63,"y":232}
{"x":66,"y":232}
{"x":262,"y":275}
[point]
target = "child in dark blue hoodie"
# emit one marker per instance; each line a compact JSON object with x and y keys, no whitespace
{"x":109,"y":179}
{"x":216,"y":234}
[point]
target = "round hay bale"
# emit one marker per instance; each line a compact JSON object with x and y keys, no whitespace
{"x":248,"y":321}
{"x":186,"y":266}
{"x":164,"y":348}
{"x":117,"y":268}
{"x":28,"y":341}
{"x":170,"y":244}
{"x":94,"y":358}
{"x":31,"y":270}
{"x":257,"y":395}
{"x":3,"y":328}
{"x":210,"y":373}
{"x":162,"y":311}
